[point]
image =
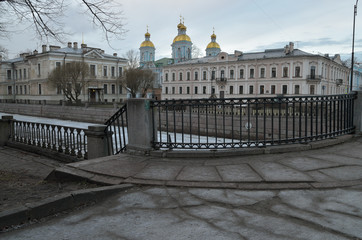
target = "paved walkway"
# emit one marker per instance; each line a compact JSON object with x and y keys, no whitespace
{"x":329,"y":167}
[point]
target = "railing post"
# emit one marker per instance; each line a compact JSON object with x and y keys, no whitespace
{"x":5,"y":129}
{"x":140,"y":124}
{"x":96,"y":141}
{"x":357,"y":117}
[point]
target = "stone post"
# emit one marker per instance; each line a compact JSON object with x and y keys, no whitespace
{"x":357,"y":117}
{"x":97,"y":141}
{"x":140,"y":124}
{"x":5,"y":129}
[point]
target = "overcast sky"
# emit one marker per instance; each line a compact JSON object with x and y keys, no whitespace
{"x":315,"y":26}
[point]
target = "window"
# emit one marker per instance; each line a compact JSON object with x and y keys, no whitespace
{"x":93,"y":70}
{"x":251,"y":73}
{"x":113,"y":71}
{"x":251,"y":89}
{"x":105,"y":71}
{"x":120,"y":89}
{"x":285,"y":71}
{"x":39,"y":89}
{"x":312,"y":72}
{"x":231,"y":73}
{"x":173,"y":90}
{"x":16,"y":74}
{"x":58,"y":64}
{"x":24,"y":73}
{"x":16,"y":90}
{"x":212,"y":90}
{"x":274,"y":72}
{"x":312,"y":90}
{"x":262,"y":72}
{"x":196,"y":90}
{"x":212,"y":75}
{"x":8,"y":73}
{"x":231,"y":90}
{"x":297,"y":71}
{"x":105,"y":88}
{"x":197,"y":75}
{"x":173,"y":76}
{"x":204,"y":90}
{"x":59,"y":89}
{"x":241,"y":89}
{"x":272,"y":89}
{"x":39,"y":69}
{"x":188,"y":76}
{"x":20,"y":74}
{"x":25,"y":90}
{"x":180,"y":90}
{"x":188,"y":90}
{"x":296,"y":89}
{"x":204,"y":75}
{"x":166,"y":90}
{"x":113,"y":89}
{"x":166,"y":77}
{"x":10,"y":90}
{"x":261,"y":89}
{"x":120,"y":71}
{"x":285,"y":89}
{"x":21,"y":90}
{"x":241,"y":73}
{"x":180,"y":78}
{"x":78,"y":87}
{"x":222,"y":74}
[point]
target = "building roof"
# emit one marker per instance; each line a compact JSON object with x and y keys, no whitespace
{"x":268,"y":53}
{"x":68,"y":50}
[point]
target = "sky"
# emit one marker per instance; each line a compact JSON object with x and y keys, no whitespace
{"x":315,"y":26}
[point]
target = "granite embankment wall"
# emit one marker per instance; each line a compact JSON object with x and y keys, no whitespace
{"x":81,"y":114}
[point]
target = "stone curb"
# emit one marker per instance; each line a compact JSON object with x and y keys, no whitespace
{"x":56,"y":204}
{"x":207,"y":153}
{"x":76,"y":174}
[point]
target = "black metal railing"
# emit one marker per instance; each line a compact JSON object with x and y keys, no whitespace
{"x":250,"y":122}
{"x":68,"y":140}
{"x":116,"y":130}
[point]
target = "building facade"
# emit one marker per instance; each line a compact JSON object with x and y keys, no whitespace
{"x":357,"y":77}
{"x":26,"y":78}
{"x":286,"y":71}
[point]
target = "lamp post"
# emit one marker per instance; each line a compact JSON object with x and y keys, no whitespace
{"x":352,"y":61}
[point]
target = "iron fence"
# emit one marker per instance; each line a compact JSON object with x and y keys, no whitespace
{"x":116,"y":131}
{"x":67,"y":140}
{"x":250,"y":122}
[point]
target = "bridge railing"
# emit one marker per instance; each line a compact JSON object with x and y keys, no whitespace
{"x":68,"y":140}
{"x":251,"y":122}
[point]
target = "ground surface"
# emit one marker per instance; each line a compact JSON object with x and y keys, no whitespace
{"x":198,"y":213}
{"x":21,"y":178}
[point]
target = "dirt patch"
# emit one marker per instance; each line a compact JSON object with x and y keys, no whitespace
{"x":17,"y":189}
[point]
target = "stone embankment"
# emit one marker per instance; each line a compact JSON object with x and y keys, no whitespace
{"x":74,"y":113}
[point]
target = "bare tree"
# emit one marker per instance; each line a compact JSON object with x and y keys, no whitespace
{"x":70,"y":79}
{"x":196,"y":52}
{"x":3,"y":53}
{"x":137,"y":80}
{"x":133,"y":58}
{"x":45,"y":16}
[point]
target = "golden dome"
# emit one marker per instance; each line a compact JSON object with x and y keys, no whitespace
{"x":213,"y":36}
{"x":213,"y":45}
{"x":147,"y":44}
{"x":180,"y":25}
{"x":182,"y":37}
{"x":147,"y":34}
